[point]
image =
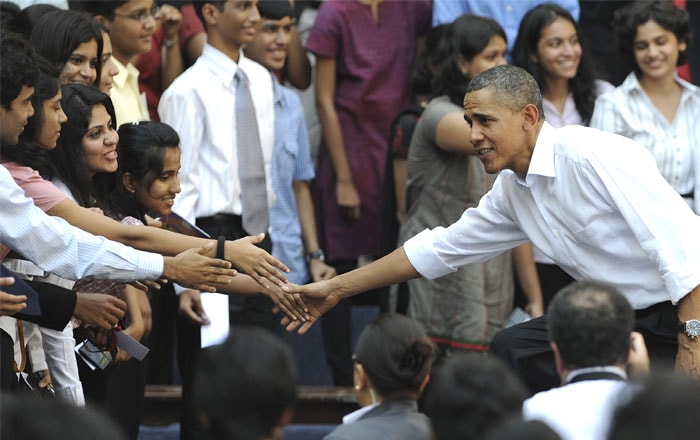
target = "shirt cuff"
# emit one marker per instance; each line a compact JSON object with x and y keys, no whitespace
{"x":149,"y":266}
{"x":421,"y":252}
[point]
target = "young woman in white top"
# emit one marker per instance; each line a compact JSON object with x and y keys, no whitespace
{"x":549,"y":47}
{"x":653,"y":105}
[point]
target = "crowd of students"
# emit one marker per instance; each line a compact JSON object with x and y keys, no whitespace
{"x":118,"y":115}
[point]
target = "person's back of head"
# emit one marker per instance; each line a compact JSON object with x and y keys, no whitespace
{"x":512,"y":86}
{"x":590,"y":323}
{"x":395,"y":354}
{"x":666,"y":408}
{"x":469,"y":396}
{"x":26,"y":417}
{"x":244,"y":388}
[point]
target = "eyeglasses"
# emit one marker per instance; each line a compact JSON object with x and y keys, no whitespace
{"x":143,"y":16}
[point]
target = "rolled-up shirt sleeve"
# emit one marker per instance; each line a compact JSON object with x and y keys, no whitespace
{"x":57,"y":247}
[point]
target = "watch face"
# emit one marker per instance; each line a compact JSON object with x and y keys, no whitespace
{"x":692,"y":328}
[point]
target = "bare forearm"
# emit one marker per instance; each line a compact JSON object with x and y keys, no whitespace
{"x":172,"y":65}
{"x":688,"y":358}
{"x":390,"y":269}
{"x":307,"y":219}
{"x":297,"y":66}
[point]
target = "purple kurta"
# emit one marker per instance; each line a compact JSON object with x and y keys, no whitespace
{"x":374,"y":61}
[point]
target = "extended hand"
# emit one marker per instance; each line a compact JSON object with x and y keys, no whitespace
{"x":318,"y":299}
{"x":99,"y":309}
{"x":194,"y":270}
{"x":254,"y":261}
{"x":290,"y":305}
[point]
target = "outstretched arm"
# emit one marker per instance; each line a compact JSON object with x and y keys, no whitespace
{"x":322,"y":296}
{"x":242,"y":253}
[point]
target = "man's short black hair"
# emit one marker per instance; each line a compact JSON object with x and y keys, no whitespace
{"x":17,"y":68}
{"x":591,"y":324}
{"x":104,"y":8}
{"x":275,"y":9}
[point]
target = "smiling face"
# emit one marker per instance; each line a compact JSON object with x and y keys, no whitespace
{"x":656,"y":50}
{"x":498,"y":133}
{"x":100,"y":142}
{"x":271,"y":43}
{"x":494,"y":54}
{"x":81,"y":66}
{"x":159,"y":197}
{"x":53,"y":119}
{"x":234,"y":26}
{"x":12,"y":121}
{"x":559,"y":50}
{"x":109,"y":69}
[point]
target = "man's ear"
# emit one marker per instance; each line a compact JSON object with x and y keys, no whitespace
{"x":210,"y":14}
{"x":530,"y":116}
{"x":557,"y":357}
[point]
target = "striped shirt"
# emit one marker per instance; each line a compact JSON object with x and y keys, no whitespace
{"x":57,"y":247}
{"x":675,"y":145}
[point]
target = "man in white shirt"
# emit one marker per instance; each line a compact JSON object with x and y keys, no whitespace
{"x":590,"y":330}
{"x":201,"y":106}
{"x":592,"y":201}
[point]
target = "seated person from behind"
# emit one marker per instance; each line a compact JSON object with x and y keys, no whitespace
{"x":392,"y":361}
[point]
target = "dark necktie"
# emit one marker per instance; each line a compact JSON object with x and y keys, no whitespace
{"x":251,"y":168}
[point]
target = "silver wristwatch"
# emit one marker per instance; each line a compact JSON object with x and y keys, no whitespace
{"x":690,"y":328}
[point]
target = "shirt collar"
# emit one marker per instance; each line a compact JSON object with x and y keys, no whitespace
{"x":221,"y":65}
{"x":542,"y":160}
{"x":631,"y":85}
{"x":605,"y":369}
{"x":357,"y":414}
{"x":125,"y":72}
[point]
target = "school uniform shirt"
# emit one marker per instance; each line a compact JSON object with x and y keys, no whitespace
{"x":200,"y":105}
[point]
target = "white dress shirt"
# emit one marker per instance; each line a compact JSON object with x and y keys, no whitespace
{"x":57,"y":247}
{"x":675,"y":145}
{"x":579,"y":410}
{"x":592,"y":201}
{"x":200,"y":105}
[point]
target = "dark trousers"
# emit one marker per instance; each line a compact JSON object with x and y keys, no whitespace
{"x":243,"y":309}
{"x":526,"y":346}
{"x":552,"y":280}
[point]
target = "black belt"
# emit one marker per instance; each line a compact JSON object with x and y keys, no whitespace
{"x":688,"y":196}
